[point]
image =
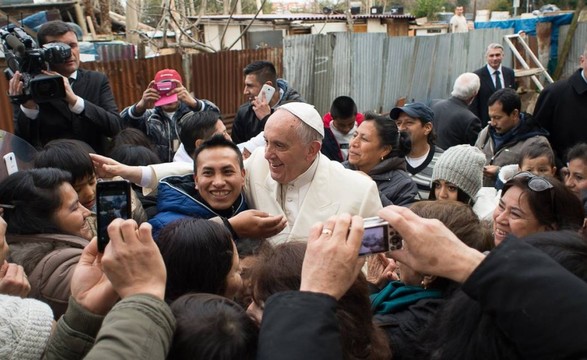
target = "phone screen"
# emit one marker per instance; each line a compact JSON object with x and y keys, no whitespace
{"x":113,"y":202}
{"x":375,"y":240}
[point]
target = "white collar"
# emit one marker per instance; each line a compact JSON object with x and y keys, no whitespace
{"x":307,"y":176}
{"x":492,"y":70}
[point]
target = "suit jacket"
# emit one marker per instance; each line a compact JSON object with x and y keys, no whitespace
{"x":334,"y":190}
{"x":98,"y":121}
{"x":479,"y":105}
{"x":455,"y":124}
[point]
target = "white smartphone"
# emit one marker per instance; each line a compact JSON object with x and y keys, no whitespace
{"x":268,"y":90}
{"x":10,"y":161}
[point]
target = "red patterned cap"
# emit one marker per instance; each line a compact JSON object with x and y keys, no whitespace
{"x":168,"y":74}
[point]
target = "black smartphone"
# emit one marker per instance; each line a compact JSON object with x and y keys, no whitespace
{"x":379,"y":237}
{"x":113,"y":201}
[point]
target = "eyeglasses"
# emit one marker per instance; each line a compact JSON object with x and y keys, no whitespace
{"x":535,"y":182}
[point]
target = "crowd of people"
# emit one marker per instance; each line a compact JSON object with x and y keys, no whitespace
{"x":246,"y":245}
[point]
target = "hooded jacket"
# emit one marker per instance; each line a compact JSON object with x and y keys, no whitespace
{"x":178,"y":198}
{"x":246,"y":125}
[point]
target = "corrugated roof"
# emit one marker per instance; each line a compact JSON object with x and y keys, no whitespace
{"x":294,"y":17}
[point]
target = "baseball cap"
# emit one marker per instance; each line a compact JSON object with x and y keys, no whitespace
{"x":307,"y":113}
{"x":162,"y":77}
{"x":415,"y":110}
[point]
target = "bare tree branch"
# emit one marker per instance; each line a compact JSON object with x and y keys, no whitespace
{"x":197,"y":43}
{"x":198,"y":46}
{"x":248,"y":25}
{"x":232,"y":10}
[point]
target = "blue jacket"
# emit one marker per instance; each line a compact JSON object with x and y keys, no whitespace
{"x":177,"y":199}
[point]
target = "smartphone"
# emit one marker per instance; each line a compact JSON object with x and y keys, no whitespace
{"x":165,"y":86}
{"x":379,"y":237}
{"x":10,"y":161}
{"x":268,"y":90}
{"x":113,"y":201}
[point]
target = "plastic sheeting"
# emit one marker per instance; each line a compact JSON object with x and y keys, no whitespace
{"x":529,"y":26}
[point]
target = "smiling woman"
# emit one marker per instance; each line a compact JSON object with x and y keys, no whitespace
{"x":531,"y":204}
{"x":46,"y":230}
{"x":378,"y":150}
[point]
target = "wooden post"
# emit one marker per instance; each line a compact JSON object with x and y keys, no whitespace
{"x":79,"y":15}
{"x":132,"y":22}
{"x":92,"y":29}
{"x":568,"y":42}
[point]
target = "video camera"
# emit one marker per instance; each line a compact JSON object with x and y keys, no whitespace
{"x":23,"y":55}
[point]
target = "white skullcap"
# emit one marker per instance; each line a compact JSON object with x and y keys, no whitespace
{"x":307,"y":113}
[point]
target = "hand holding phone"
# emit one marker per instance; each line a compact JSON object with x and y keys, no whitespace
{"x":267,"y":91}
{"x":113,"y":202}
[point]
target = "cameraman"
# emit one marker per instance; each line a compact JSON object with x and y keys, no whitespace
{"x":88,"y":111}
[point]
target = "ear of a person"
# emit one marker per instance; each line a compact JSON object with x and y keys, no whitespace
{"x":427,"y":280}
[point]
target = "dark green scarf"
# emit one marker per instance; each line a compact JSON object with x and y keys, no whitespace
{"x":397,"y":296}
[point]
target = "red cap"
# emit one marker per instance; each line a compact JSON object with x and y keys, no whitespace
{"x":167,"y":74}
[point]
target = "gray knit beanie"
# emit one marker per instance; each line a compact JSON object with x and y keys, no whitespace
{"x":25,"y":327}
{"x":461,"y":165}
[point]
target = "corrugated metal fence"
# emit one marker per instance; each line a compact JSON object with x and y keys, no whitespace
{"x":129,"y":78}
{"x":577,"y":47}
{"x":377,"y":70}
{"x":219,"y":77}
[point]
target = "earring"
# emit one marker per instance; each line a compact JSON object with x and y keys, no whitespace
{"x":381,"y":159}
{"x":424,"y":284}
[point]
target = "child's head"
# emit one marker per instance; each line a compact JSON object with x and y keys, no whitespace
{"x":197,"y":127}
{"x":134,"y":155}
{"x":131,"y":136}
{"x":343,"y":111}
{"x":538,"y":158}
{"x":72,"y":156}
{"x":576,"y":177}
{"x":212,"y":327}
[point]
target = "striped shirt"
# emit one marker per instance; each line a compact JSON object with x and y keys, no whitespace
{"x":422,"y":175}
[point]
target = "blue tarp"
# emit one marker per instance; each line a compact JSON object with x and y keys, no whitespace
{"x":529,"y":26}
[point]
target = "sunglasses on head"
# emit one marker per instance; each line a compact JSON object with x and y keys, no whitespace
{"x":535,"y":182}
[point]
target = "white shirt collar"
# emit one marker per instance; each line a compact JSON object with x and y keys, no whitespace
{"x":307,"y":176}
{"x":492,"y":70}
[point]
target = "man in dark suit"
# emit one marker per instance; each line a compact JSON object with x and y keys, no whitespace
{"x":493,"y":77}
{"x":87,"y":113}
{"x":562,"y":110}
{"x":455,"y":124}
